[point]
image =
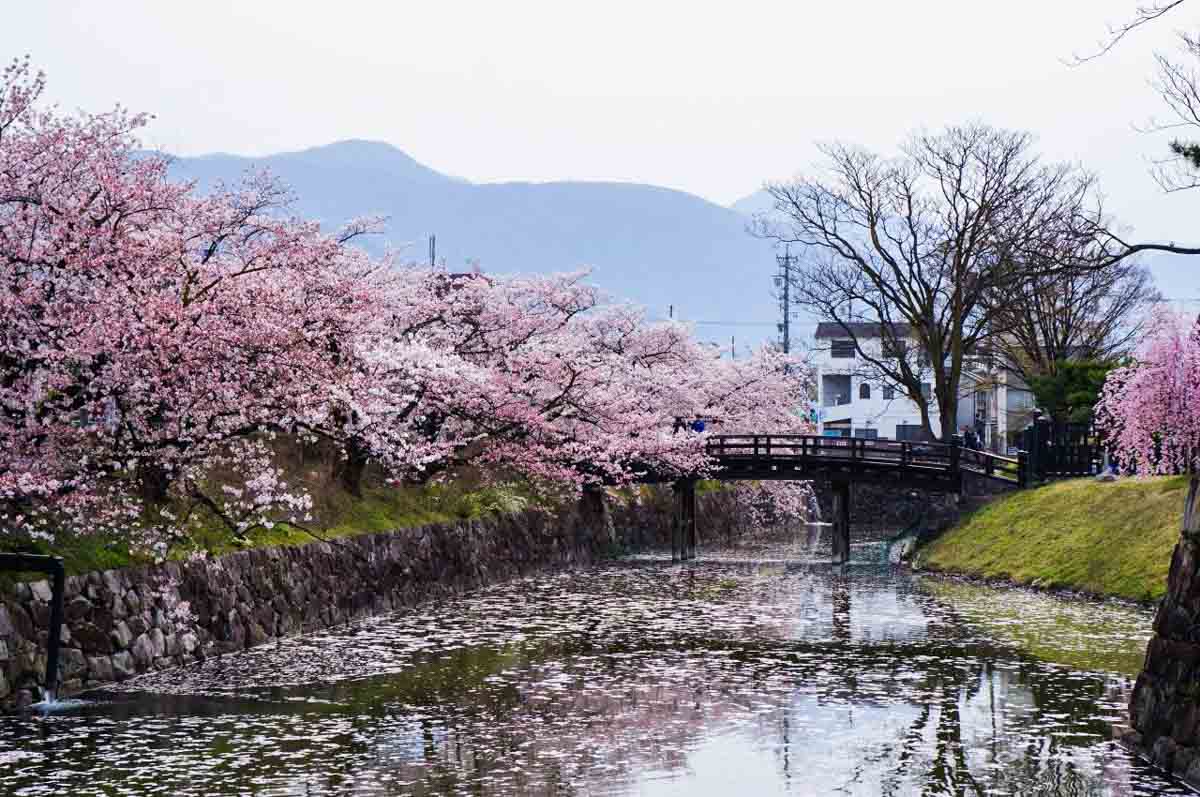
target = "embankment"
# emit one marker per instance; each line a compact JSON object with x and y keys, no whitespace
{"x":1103,"y":538}
{"x":122,"y":622}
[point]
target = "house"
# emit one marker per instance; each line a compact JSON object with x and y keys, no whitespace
{"x":854,"y":400}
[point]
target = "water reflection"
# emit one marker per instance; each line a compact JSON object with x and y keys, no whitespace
{"x":732,"y":675}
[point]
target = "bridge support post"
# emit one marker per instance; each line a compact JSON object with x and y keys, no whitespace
{"x":690,"y":536}
{"x":683,"y":524}
{"x":841,"y":521}
{"x":676,"y":522}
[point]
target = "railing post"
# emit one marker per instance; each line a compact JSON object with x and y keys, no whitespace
{"x":954,"y":454}
{"x":52,"y":566}
{"x":1022,"y":469}
{"x":54,"y":637}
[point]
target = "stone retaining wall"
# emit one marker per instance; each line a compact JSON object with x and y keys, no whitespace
{"x":883,"y":510}
{"x":1164,"y":709}
{"x":123,"y":622}
{"x":119,"y":623}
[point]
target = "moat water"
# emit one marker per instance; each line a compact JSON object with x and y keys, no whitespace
{"x":750,"y":671}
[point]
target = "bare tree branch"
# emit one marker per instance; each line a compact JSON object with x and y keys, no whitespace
{"x":1116,"y":33}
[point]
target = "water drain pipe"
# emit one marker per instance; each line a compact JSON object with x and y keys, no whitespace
{"x":52,"y":566}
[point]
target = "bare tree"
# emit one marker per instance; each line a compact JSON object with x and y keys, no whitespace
{"x":1178,"y":83}
{"x":929,"y":245}
{"x":1143,"y":15}
{"x":1075,"y":313}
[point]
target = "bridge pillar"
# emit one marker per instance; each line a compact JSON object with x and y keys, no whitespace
{"x":676,"y":522}
{"x":691,"y":536}
{"x":841,"y":521}
{"x":683,"y":525}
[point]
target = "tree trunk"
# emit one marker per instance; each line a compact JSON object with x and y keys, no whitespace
{"x":153,"y":483}
{"x":1164,"y":709}
{"x":351,"y":470}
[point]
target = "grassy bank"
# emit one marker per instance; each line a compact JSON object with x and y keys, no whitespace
{"x":337,"y":514}
{"x":1111,"y":538}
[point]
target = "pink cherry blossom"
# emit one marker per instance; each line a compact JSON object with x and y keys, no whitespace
{"x":154,"y":340}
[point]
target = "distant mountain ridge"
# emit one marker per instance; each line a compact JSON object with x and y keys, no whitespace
{"x":655,"y":246}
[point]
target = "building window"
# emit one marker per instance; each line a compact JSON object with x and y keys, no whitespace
{"x":864,"y":391}
{"x":842,"y":349}
{"x":926,"y":390}
{"x":889,"y":392}
{"x":868,"y":434}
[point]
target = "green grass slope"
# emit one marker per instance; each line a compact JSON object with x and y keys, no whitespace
{"x":338,"y":514}
{"x":1107,"y":538}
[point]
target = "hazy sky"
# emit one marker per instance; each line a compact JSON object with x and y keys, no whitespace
{"x":712,"y":98}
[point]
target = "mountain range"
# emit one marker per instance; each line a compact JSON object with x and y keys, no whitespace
{"x":667,"y":250}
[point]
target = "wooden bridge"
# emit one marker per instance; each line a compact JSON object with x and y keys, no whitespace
{"x":841,"y":461}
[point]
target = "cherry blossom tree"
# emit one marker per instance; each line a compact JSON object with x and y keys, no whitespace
{"x":1151,"y":410}
{"x":154,"y":342}
{"x":145,"y":328}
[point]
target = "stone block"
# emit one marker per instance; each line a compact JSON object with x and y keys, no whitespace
{"x":139,"y":623}
{"x":77,"y":608}
{"x":122,"y":636}
{"x":1184,"y":758}
{"x":143,"y":652}
{"x":158,"y":643}
{"x":73,"y":663}
{"x":6,"y":624}
{"x":4,"y":687}
{"x":23,"y":624}
{"x":255,"y":634}
{"x":93,"y":639}
{"x":41,"y":590}
{"x":100,"y":669}
{"x":1163,"y":752}
{"x":122,"y":665}
{"x":113,"y":581}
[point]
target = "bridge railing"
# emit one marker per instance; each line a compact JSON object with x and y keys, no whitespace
{"x":994,"y":465}
{"x":781,"y":447}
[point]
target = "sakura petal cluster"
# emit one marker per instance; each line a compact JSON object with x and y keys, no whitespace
{"x":1150,"y":410}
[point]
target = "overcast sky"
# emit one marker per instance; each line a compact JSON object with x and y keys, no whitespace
{"x":711,"y":98}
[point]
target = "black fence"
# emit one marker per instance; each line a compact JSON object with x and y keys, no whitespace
{"x":1059,"y":450}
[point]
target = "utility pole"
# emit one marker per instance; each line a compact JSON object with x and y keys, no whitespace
{"x":671,"y":312}
{"x":732,"y":347}
{"x":784,"y":280}
{"x":432,"y":250}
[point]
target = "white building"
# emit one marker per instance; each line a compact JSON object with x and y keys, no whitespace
{"x":853,"y":400}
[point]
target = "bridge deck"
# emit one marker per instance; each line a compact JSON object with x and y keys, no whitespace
{"x":935,"y":466}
